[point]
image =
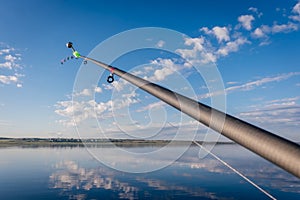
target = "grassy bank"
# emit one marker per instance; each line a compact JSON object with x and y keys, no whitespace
{"x":70,"y":142}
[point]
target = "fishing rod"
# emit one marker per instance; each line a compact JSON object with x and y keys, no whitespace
{"x":278,"y":150}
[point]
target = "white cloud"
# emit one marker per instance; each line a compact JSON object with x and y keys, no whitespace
{"x":205,"y":51}
{"x":265,"y":42}
{"x":148,"y":68}
{"x":188,"y":53}
{"x":197,"y":43}
{"x":202,"y":52}
{"x":152,"y":106}
{"x":232,"y":83}
{"x":6,"y":50}
{"x":84,"y":92}
{"x":10,"y":58}
{"x":258,"y":33}
{"x":246,"y":21}
{"x":232,"y":46}
{"x":296,"y":8}
{"x":285,"y":28}
{"x":98,"y":89}
{"x":205,"y":30}
{"x":119,"y":85}
{"x":251,"y":85}
{"x":11,"y":62}
{"x":19,"y":85}
{"x":161,"y":74}
{"x":138,"y":73}
{"x":221,"y":33}
{"x":255,"y":10}
{"x":283,"y":102}
{"x":264,"y":30}
{"x":273,"y":116}
{"x":144,"y":71}
{"x":198,"y":54}
{"x":296,"y":11}
{"x":168,"y":67}
{"x":116,"y":85}
{"x":295,"y":17}
{"x":126,"y":100}
{"x":8,"y":79}
{"x":79,"y":111}
{"x":7,"y":65}
{"x":285,"y":112}
{"x":160,"y":43}
{"x":208,"y":57}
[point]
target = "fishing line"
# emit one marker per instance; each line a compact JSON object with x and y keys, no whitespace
{"x":236,"y":171}
{"x":230,"y":167}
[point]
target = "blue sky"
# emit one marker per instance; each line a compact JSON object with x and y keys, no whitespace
{"x":255,"y":46}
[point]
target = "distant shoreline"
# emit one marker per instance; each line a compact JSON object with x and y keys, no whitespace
{"x":71,"y":142}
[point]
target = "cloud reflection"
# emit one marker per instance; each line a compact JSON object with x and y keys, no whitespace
{"x":165,"y":186}
{"x":252,"y":166}
{"x":77,"y":181}
{"x":71,"y":176}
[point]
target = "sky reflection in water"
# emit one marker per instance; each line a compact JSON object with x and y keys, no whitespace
{"x":71,"y":173}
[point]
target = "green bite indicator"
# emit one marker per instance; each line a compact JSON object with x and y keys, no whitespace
{"x":76,"y":54}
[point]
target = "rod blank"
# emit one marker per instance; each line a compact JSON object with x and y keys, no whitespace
{"x":278,"y":150}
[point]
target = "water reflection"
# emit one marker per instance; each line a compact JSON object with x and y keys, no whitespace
{"x":189,"y":177}
{"x":260,"y":171}
{"x":252,"y":166}
{"x":70,"y":175}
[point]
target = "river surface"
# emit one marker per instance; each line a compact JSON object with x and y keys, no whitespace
{"x":74,"y":173}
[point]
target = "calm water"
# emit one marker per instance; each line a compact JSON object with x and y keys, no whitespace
{"x":72,"y":173}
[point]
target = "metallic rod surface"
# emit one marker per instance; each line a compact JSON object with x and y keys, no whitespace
{"x":278,"y":150}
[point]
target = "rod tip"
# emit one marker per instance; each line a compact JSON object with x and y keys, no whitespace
{"x":69,"y":45}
